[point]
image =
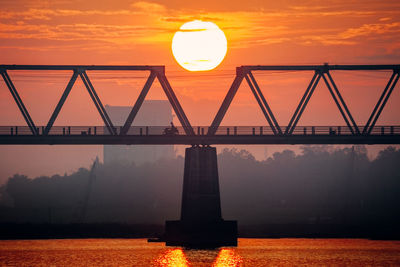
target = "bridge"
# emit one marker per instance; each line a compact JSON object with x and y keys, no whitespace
{"x":270,"y":133}
{"x":225,"y":135}
{"x":201,"y":223}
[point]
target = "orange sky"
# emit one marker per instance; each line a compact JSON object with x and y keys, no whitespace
{"x":140,"y":32}
{"x":258,"y":32}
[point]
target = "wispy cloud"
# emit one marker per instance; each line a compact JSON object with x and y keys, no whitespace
{"x":372,"y":29}
{"x":356,"y":35}
{"x":49,"y":14}
{"x":148,"y":7}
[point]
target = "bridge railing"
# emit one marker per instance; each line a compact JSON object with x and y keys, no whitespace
{"x":198,"y":130}
{"x":303,"y":130}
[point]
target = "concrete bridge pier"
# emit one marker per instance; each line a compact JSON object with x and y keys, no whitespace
{"x":201,"y":223}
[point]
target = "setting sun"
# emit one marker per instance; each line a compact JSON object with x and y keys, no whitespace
{"x":199,"y":46}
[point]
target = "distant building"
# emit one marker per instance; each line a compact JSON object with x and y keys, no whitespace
{"x":151,"y":113}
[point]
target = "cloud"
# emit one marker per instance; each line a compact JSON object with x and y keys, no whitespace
{"x":357,"y":35}
{"x":388,"y":57}
{"x":148,"y":7}
{"x":49,"y":14}
{"x":63,"y":32}
{"x":371,"y":29}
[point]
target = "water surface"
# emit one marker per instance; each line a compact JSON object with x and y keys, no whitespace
{"x":250,"y":252}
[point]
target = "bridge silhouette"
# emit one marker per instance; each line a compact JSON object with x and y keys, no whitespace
{"x":201,"y":223}
{"x":270,"y":133}
{"x":228,"y":135}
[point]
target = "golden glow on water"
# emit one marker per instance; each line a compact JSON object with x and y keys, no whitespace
{"x":173,"y":258}
{"x":250,"y":252}
{"x":227,"y":258}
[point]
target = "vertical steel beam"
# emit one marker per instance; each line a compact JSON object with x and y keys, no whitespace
{"x":340,"y":107}
{"x":175,"y":103}
{"x":264,"y":101}
{"x":384,"y":102}
{"x":227,"y":101}
{"x":19,"y":102}
{"x":303,"y":103}
{"x":138,"y":103}
{"x":97,"y":102}
{"x":61,"y":102}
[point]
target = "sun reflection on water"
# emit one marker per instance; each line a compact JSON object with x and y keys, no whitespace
{"x":176,"y":257}
{"x":173,"y":257}
{"x":227,"y":258}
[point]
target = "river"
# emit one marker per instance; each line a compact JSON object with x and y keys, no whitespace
{"x":250,"y":252}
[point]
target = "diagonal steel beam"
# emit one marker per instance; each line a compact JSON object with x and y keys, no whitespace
{"x":338,"y":104}
{"x":226,"y":103}
{"x":343,"y":103}
{"x":299,"y":106}
{"x":264,"y":101}
{"x":303,"y":103}
{"x":19,"y":102}
{"x":173,"y":100}
{"x":138,"y":103}
{"x":97,"y":102}
{"x":367,"y":128}
{"x":311,"y":91}
{"x":259,"y":101}
{"x":98,"y":99}
{"x":61,"y":102}
{"x":384,"y":102}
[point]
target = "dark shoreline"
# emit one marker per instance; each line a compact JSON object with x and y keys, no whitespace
{"x":119,"y":230}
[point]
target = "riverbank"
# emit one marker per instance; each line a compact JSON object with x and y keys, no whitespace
{"x":118,"y":230}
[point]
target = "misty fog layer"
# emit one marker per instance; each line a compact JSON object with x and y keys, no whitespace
{"x":320,"y":185}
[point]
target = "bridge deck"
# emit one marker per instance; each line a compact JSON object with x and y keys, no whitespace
{"x":145,"y":135}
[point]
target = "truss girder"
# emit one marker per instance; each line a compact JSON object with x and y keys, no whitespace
{"x":320,"y":71}
{"x":80,"y":70}
{"x":243,"y":72}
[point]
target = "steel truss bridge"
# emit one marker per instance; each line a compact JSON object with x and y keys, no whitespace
{"x":270,"y":133}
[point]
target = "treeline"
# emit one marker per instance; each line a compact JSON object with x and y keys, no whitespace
{"x":320,"y":185}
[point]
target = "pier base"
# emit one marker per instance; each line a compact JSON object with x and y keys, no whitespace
{"x":201,"y":223}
